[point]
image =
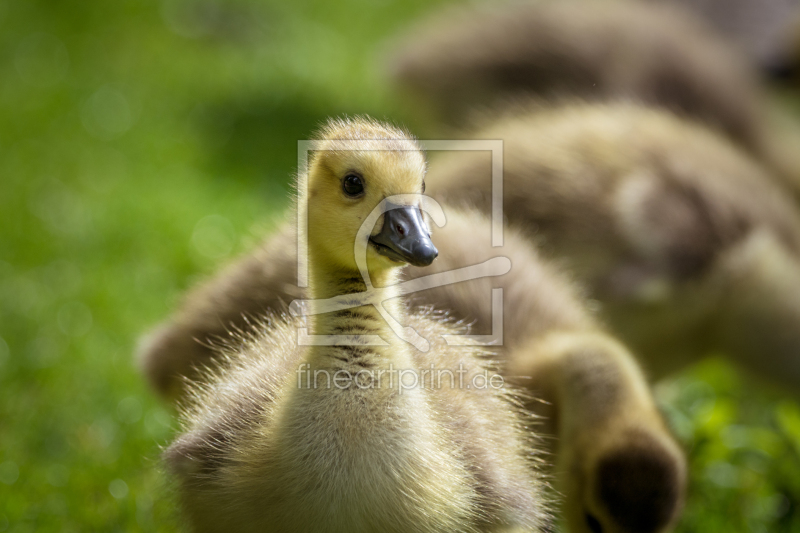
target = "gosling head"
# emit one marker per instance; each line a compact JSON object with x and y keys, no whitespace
{"x":357,"y":164}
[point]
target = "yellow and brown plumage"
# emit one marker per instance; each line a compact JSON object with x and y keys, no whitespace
{"x":264,"y":451}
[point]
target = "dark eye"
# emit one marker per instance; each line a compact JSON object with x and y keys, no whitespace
{"x":423,"y":187}
{"x":352,"y":185}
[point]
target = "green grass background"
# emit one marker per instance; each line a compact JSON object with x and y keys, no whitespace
{"x":143,"y":144}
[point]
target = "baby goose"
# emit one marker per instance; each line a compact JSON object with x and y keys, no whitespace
{"x":687,"y":243}
{"x":617,"y":465}
{"x":469,"y":58}
{"x":266,"y":450}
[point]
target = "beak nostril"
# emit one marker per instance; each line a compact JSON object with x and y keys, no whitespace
{"x":404,"y":237}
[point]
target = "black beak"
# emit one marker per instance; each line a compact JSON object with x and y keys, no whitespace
{"x":404,"y":237}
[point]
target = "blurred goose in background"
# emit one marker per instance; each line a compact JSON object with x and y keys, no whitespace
{"x":468,"y":61}
{"x":687,"y":243}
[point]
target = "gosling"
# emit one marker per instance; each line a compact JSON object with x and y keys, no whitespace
{"x":264,"y":450}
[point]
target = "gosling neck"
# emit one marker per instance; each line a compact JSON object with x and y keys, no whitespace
{"x":363,"y":319}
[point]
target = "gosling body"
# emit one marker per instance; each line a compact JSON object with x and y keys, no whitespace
{"x":596,"y":401}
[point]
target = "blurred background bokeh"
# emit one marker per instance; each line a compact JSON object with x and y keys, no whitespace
{"x":145,"y":143}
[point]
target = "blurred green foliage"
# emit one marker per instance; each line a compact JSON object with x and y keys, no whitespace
{"x":743,"y":444}
{"x":142,"y":144}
